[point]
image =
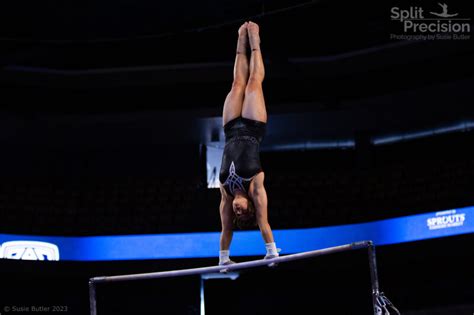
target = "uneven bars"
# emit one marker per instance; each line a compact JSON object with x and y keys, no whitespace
{"x":236,"y":266}
{"x":380,"y":302}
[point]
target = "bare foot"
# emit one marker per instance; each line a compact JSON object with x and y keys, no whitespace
{"x":254,"y":37}
{"x":242,"y":42}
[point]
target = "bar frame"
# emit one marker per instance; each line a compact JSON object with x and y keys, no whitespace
{"x":377,"y":296}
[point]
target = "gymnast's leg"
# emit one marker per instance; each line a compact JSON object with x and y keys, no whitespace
{"x":233,"y":109}
{"x":254,"y":103}
{"x":254,"y":108}
{"x":234,"y":100}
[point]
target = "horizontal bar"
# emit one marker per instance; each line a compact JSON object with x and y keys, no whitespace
{"x":242,"y":265}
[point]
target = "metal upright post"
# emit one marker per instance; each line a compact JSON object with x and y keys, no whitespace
{"x":92,"y":297}
{"x":374,"y":278}
{"x":203,"y":305}
{"x":382,"y":305}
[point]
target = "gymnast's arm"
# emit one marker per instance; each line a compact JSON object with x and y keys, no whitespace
{"x":226,"y":219}
{"x":259,"y":198}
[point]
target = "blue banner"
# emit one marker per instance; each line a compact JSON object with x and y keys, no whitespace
{"x":245,"y":243}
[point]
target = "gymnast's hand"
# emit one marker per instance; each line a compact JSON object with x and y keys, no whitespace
{"x":225,"y":263}
{"x":271,"y":256}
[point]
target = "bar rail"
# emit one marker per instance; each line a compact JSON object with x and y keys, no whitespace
{"x":236,"y":266}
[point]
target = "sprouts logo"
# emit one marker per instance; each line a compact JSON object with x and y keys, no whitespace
{"x":441,"y":23}
{"x":29,"y":250}
{"x":446,"y":219}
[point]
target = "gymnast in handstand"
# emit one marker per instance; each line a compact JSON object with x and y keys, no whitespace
{"x":243,"y":196}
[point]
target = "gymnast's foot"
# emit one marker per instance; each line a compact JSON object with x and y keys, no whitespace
{"x":254,"y":36}
{"x":243,"y":41}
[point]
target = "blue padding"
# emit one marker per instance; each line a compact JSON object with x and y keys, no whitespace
{"x":250,"y":243}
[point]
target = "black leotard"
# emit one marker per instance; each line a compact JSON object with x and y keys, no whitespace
{"x":241,"y":158}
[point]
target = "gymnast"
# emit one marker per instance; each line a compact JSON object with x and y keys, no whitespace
{"x":243,"y":196}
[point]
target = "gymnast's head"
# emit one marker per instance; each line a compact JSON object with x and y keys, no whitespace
{"x":244,"y":212}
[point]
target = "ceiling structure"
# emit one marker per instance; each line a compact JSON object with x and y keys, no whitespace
{"x":324,"y":58}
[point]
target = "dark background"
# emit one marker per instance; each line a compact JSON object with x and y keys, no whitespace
{"x":106,"y":108}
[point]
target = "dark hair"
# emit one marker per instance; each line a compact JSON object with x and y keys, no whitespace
{"x":248,"y":221}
